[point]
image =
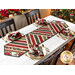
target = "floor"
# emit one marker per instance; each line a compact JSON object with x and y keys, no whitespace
{"x":66,"y":48}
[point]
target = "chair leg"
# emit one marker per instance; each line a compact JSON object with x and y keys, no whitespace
{"x":72,"y":45}
{"x":55,"y":62}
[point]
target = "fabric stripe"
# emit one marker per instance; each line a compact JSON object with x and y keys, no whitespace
{"x":32,"y":38}
{"x":24,"y":44}
{"x":61,"y":26}
{"x":44,"y":28}
{"x":40,"y":38}
{"x":44,"y":38}
{"x":52,"y":28}
{"x":14,"y":50}
{"x":28,"y":39}
{"x":16,"y":46}
{"x":58,"y":27}
{"x":23,"y":41}
{"x":55,"y":27}
{"x":37,"y":39}
{"x":43,"y":32}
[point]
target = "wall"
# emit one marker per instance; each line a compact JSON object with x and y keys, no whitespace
{"x":45,"y":12}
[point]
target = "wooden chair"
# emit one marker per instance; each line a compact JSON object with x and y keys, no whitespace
{"x":32,"y":16}
{"x":5,"y":24}
{"x":52,"y":60}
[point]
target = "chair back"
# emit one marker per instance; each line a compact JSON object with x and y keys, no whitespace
{"x":32,"y":16}
{"x":6,"y":27}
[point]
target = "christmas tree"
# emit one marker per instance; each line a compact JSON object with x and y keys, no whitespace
{"x":66,"y":14}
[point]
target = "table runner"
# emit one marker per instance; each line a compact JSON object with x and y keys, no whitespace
{"x":36,"y":37}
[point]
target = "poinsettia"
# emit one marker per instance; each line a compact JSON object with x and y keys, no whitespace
{"x":7,"y":53}
{"x":6,"y":12}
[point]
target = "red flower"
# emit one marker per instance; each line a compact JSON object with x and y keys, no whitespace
{"x":6,"y":15}
{"x":7,"y":11}
{"x":2,"y":10}
{"x":2,"y":14}
{"x":7,"y":53}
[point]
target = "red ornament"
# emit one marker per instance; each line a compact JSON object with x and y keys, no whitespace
{"x":60,"y":17}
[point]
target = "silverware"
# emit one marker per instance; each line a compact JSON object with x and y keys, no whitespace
{"x":59,"y":35}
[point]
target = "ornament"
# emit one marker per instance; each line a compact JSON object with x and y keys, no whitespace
{"x":60,"y":17}
{"x":71,"y":14}
{"x":71,"y":19}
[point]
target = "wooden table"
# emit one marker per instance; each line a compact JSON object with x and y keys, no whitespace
{"x":53,"y":44}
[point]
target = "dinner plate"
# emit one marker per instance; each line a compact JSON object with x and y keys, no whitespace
{"x":66,"y":57}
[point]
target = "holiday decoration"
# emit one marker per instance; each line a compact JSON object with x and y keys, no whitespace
{"x":16,"y":48}
{"x":66,"y":14}
{"x":36,"y":50}
{"x":6,"y":12}
{"x":67,"y":32}
{"x":14,"y":36}
{"x":41,"y":22}
{"x":33,"y":39}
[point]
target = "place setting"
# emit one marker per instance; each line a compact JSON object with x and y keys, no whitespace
{"x":37,"y":52}
{"x":66,"y":34}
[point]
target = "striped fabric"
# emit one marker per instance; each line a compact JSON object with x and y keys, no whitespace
{"x":36,"y":39}
{"x":44,"y":30}
{"x":57,"y":26}
{"x":19,"y":47}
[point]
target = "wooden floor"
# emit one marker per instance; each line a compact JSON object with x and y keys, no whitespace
{"x":66,"y":48}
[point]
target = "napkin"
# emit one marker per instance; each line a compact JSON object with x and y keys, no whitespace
{"x":14,"y":36}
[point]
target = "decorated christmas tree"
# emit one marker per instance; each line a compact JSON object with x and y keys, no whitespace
{"x":66,"y":14}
